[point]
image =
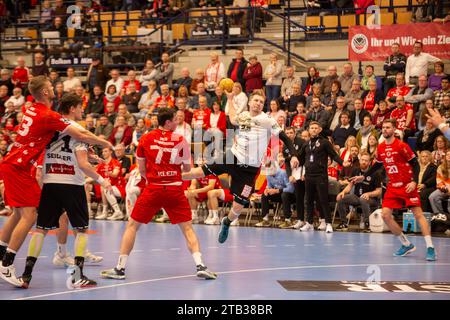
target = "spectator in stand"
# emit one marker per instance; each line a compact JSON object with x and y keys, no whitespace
{"x":125,"y":162}
{"x":417,"y":64}
{"x":372,"y":146}
{"x":59,"y":25}
{"x":275,"y":110}
{"x":328,"y":80}
{"x":365,"y":131}
{"x":335,"y":113}
{"x":148,"y":99}
{"x":129,"y":119}
{"x":239,"y":99}
{"x":54,"y":77}
{"x":201,"y":92}
{"x":312,"y":78}
{"x":183,"y":128}
{"x":97,"y":74}
{"x":183,"y":92}
{"x":39,"y":68}
{"x":215,"y":71}
{"x":419,"y":95}
{"x":253,"y":75}
{"x":440,"y":94}
{"x":181,"y":104}
{"x":357,"y":115}
{"x":343,"y":131}
{"x":90,"y":124}
{"x":273,"y":74}
{"x":20,"y":74}
{"x":3,"y":98}
{"x":404,"y":116}
{"x":400,"y":89}
{"x":218,"y":122}
{"x":138,"y":132}
{"x":316,"y":93}
{"x":329,"y":100}
{"x":368,"y":75}
{"x":382,"y":114}
{"x":220,"y":97}
{"x":435,"y":80}
{"x":393,"y":65}
{"x":199,"y":78}
{"x":427,"y":179}
{"x":3,"y":148}
{"x":372,"y":97}
{"x":317,"y":113}
{"x":441,"y":146}
{"x":17,"y":99}
{"x":423,"y":117}
{"x":112,"y":96}
{"x":165,"y":70}
{"x":95,"y":105}
{"x":288,"y":83}
{"x":132,"y":98}
{"x":60,"y":10}
{"x":346,"y":79}
{"x":422,"y":11}
{"x":5,"y":80}
{"x":354,"y":93}
{"x":290,"y":105}
{"x":9,"y":119}
{"x":84,"y":96}
{"x":445,"y":108}
{"x":427,"y":137}
{"x":71,"y":82}
{"x":116,"y":81}
{"x":185,"y":80}
{"x":345,"y":152}
{"x":110,"y":112}
{"x":165,"y":100}
{"x":346,"y":172}
{"x":131,"y":79}
{"x":122,"y":133}
{"x":148,"y":73}
{"x":237,"y":67}
{"x":59,"y":93}
{"x":104,"y":127}
{"x":299,"y":119}
{"x":443,"y":186}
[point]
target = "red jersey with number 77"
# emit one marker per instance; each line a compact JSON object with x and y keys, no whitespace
{"x":38,"y":126}
{"x":395,"y":157}
{"x":164,"y":152}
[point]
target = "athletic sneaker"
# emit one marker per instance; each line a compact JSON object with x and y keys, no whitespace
{"x":91,"y":258}
{"x":322,"y":225}
{"x":287,"y":224}
{"x":102,"y":216}
{"x":329,"y":228}
{"x":63,"y":261}
{"x":431,"y":254}
{"x":162,"y":219}
{"x":203,"y":272}
{"x":9,"y":275}
{"x":25,"y":281}
{"x":298,"y":224}
{"x":113,"y":274}
{"x":235,"y":223}
{"x":404,"y":250}
{"x":83,"y":282}
{"x":263,"y":223}
{"x":116,"y":216}
{"x":224,"y":228}
{"x":342,"y":227}
{"x":307,"y":227}
{"x":215,"y":220}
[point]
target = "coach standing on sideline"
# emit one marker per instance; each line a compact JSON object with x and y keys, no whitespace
{"x":314,"y":156}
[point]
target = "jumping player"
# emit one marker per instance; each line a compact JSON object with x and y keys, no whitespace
{"x":402,"y":169}
{"x":244,"y":160}
{"x":22,"y":191}
{"x":161,"y":156}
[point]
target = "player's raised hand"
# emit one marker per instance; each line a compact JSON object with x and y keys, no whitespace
{"x":435,"y":117}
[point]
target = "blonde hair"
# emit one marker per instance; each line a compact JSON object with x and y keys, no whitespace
{"x":37,"y":84}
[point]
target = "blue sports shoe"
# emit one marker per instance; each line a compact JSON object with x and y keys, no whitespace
{"x":224,"y":228}
{"x":431,"y":254}
{"x":404,"y":250}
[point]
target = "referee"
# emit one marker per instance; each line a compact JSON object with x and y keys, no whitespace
{"x":314,"y":156}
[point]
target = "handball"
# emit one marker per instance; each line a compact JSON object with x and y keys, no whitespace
{"x":226,"y":84}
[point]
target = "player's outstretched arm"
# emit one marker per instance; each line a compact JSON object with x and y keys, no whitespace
{"x":85,"y":166}
{"x":87,"y":137}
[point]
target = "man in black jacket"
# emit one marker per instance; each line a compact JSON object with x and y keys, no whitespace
{"x":314,"y":156}
{"x":96,"y":105}
{"x":237,"y":68}
{"x":393,"y":64}
{"x":357,"y":115}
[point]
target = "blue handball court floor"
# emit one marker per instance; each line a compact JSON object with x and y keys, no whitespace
{"x":254,"y":263}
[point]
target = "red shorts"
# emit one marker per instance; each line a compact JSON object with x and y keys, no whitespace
{"x":98,"y":191}
{"x":154,"y":198}
{"x":202,"y":197}
{"x":21,"y":187}
{"x":397,"y":198}
{"x":227,"y":196}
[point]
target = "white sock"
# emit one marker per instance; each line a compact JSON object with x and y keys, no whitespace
{"x":194,"y":213}
{"x":428,"y":241}
{"x":4,"y":244}
{"x":197,"y":258}
{"x":11,"y":250}
{"x":234,"y":215}
{"x":105,"y":209}
{"x":215,"y":213}
{"x":210,"y":214}
{"x":62,"y":250}
{"x":404,"y":240}
{"x":116,"y":208}
{"x":266,"y":217}
{"x":122,"y":263}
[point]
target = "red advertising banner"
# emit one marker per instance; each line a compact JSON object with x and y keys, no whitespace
{"x":369,"y":44}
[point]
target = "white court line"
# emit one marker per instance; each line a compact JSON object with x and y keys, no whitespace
{"x":348,"y":244}
{"x":270,"y":245}
{"x":251,"y":246}
{"x":98,"y":252}
{"x":232,"y":247}
{"x":289,"y":245}
{"x":174,"y":249}
{"x":235,"y":271}
{"x":156,"y":250}
{"x":213,"y":247}
{"x":138,"y":250}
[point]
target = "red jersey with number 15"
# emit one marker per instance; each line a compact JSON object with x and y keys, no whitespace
{"x":164,"y":152}
{"x":38,"y":126}
{"x":395,"y":157}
